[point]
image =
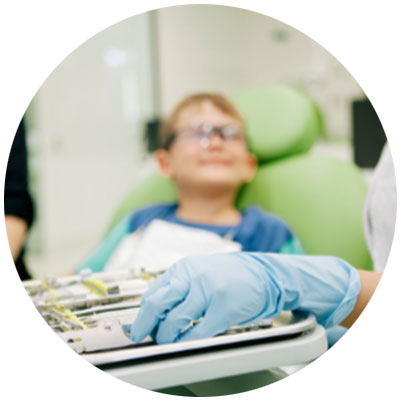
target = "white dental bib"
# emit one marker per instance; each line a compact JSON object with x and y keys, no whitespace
{"x":157,"y":246}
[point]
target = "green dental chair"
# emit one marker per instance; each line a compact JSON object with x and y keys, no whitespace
{"x":321,"y":197}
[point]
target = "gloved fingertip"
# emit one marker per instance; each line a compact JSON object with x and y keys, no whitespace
{"x":132,"y":333}
{"x":136,"y":337}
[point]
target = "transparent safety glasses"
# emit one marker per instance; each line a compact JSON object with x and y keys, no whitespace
{"x":203,"y":134}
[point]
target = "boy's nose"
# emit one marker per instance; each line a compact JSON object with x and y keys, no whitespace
{"x":215,"y":140}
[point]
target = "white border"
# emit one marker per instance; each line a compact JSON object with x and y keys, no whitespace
{"x":36,"y":36}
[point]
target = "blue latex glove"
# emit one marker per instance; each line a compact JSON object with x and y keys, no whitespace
{"x":237,"y":288}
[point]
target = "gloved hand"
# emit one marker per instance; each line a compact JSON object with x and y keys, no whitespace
{"x":237,"y":288}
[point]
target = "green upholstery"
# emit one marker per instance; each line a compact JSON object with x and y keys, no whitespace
{"x":321,"y":197}
{"x":280,"y":121}
{"x":151,"y":190}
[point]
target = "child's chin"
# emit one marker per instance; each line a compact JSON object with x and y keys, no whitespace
{"x":221,"y":182}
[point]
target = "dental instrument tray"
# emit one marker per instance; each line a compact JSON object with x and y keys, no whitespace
{"x":92,"y":313}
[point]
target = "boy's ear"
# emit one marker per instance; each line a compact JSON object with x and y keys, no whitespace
{"x":162,"y":158}
{"x":252,"y":164}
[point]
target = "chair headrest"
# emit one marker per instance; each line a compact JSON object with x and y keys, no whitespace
{"x":280,"y":121}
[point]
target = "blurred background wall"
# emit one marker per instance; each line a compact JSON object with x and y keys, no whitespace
{"x":230,"y":49}
{"x":87,"y":122}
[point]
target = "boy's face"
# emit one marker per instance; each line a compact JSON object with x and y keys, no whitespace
{"x":194,"y":161}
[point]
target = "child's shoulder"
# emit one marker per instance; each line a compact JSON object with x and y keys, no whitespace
{"x":146,"y":214}
{"x":257,"y":215}
{"x":155,"y":208}
{"x":264,"y":231}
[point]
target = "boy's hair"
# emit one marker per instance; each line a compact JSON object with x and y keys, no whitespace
{"x":221,"y":102}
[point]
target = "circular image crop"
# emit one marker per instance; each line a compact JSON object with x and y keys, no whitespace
{"x":197,"y":197}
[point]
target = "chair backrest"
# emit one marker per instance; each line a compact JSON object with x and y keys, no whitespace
{"x":322,"y":198}
{"x":280,"y":121}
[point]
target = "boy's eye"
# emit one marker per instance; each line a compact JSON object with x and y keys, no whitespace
{"x":202,"y":131}
{"x":230,"y":132}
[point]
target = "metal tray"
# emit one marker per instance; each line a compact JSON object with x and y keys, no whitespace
{"x":92,"y":313}
{"x":287,"y":325}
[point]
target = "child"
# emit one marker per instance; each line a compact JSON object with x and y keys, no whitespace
{"x":205,"y":153}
